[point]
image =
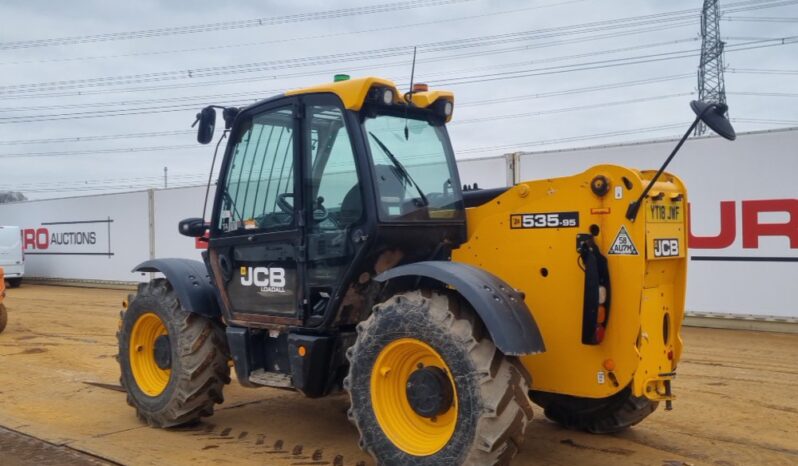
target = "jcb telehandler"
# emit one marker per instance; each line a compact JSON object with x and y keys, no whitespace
{"x":343,"y":253}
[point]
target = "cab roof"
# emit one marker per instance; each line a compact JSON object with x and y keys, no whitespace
{"x":353,"y":92}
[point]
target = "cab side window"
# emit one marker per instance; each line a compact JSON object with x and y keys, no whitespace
{"x":336,"y":200}
{"x":259,"y":185}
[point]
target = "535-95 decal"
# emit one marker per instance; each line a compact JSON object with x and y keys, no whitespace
{"x":545,"y":220}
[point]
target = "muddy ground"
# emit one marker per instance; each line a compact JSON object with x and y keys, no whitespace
{"x":60,"y":404}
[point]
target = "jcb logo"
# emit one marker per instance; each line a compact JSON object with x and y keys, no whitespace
{"x":264,"y":277}
{"x":666,"y":247}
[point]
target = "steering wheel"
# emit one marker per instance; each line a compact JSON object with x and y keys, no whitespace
{"x":283,"y":204}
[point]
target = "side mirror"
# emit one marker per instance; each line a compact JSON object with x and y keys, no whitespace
{"x":714,"y":116}
{"x":207,"y":123}
{"x":193,"y":227}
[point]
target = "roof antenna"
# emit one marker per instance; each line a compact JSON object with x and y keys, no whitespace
{"x":409,"y":94}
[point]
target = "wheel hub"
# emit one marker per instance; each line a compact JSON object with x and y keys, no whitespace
{"x":149,"y":354}
{"x":162,"y":352}
{"x":429,"y":391}
{"x":406,"y":397}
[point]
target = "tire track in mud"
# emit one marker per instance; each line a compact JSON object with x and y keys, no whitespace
{"x":777,"y":368}
{"x":751,"y":454}
{"x":214,"y":436}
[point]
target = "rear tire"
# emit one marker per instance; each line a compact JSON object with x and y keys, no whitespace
{"x":490,"y":410}
{"x":598,"y":416}
{"x":197,"y":353}
{"x":14,"y":282}
{"x":3,"y":317}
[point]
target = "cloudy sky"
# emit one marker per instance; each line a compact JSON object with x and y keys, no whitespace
{"x":99,"y":96}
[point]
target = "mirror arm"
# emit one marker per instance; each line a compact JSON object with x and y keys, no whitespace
{"x":634,"y":207}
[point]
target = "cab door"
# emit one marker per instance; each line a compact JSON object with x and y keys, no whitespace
{"x":333,"y":201}
{"x":256,"y":247}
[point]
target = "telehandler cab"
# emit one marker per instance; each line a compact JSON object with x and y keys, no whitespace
{"x":343,"y":253}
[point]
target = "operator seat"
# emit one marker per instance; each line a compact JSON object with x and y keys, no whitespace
{"x":390,"y":192}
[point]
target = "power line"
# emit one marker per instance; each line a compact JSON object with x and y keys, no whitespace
{"x":229,"y":25}
{"x":337,"y":58}
{"x":302,"y":17}
{"x":102,"y":183}
{"x":471,"y":42}
{"x":125,"y":150}
{"x":513,"y":98}
{"x":578,"y":90}
{"x":381,"y":29}
{"x":657,"y":18}
{"x":566,"y":109}
{"x":760,"y":71}
{"x":765,"y":121}
{"x":760,"y":19}
{"x":96,"y":137}
{"x":765,"y":94}
{"x":540,"y":142}
{"x":205,"y":99}
{"x":601,"y":64}
{"x":403,"y":63}
{"x":251,"y":79}
{"x":477,"y":120}
{"x":113,"y":188}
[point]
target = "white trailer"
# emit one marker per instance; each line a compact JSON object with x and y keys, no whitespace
{"x":12,"y":258}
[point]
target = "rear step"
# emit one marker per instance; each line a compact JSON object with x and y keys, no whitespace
{"x":270,"y":379}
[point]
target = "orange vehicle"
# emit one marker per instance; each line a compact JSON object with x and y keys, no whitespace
{"x":3,"y":313}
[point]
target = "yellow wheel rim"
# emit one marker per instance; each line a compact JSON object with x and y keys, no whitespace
{"x":410,"y":432}
{"x":151,"y":379}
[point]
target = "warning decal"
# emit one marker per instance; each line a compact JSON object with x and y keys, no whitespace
{"x":623,"y":245}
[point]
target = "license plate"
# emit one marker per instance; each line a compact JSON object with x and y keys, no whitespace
{"x":665,"y":212}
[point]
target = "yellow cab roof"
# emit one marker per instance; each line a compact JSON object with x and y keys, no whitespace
{"x":352,"y":92}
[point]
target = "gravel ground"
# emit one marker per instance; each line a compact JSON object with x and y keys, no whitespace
{"x":60,"y":403}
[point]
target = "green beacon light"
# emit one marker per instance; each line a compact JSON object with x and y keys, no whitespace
{"x":341,"y":77}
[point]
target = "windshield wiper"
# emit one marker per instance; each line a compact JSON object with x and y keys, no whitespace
{"x":402,"y":170}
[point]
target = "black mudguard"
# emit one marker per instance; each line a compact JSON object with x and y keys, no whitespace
{"x":501,"y":308}
{"x":191,"y":282}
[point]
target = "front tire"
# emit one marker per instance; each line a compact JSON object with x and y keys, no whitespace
{"x":14,"y":282}
{"x":480,"y":421}
{"x":173,"y":363}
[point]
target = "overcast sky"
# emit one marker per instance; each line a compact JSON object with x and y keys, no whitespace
{"x":513,"y":91}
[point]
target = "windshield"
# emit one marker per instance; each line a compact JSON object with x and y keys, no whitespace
{"x":413,"y":169}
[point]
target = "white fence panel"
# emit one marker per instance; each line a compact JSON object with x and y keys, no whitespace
{"x":82,"y":238}
{"x":171,"y":206}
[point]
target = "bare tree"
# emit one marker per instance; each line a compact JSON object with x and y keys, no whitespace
{"x":11,"y":196}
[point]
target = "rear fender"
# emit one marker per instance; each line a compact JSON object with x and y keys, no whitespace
{"x":191,"y":282}
{"x":500,"y":307}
